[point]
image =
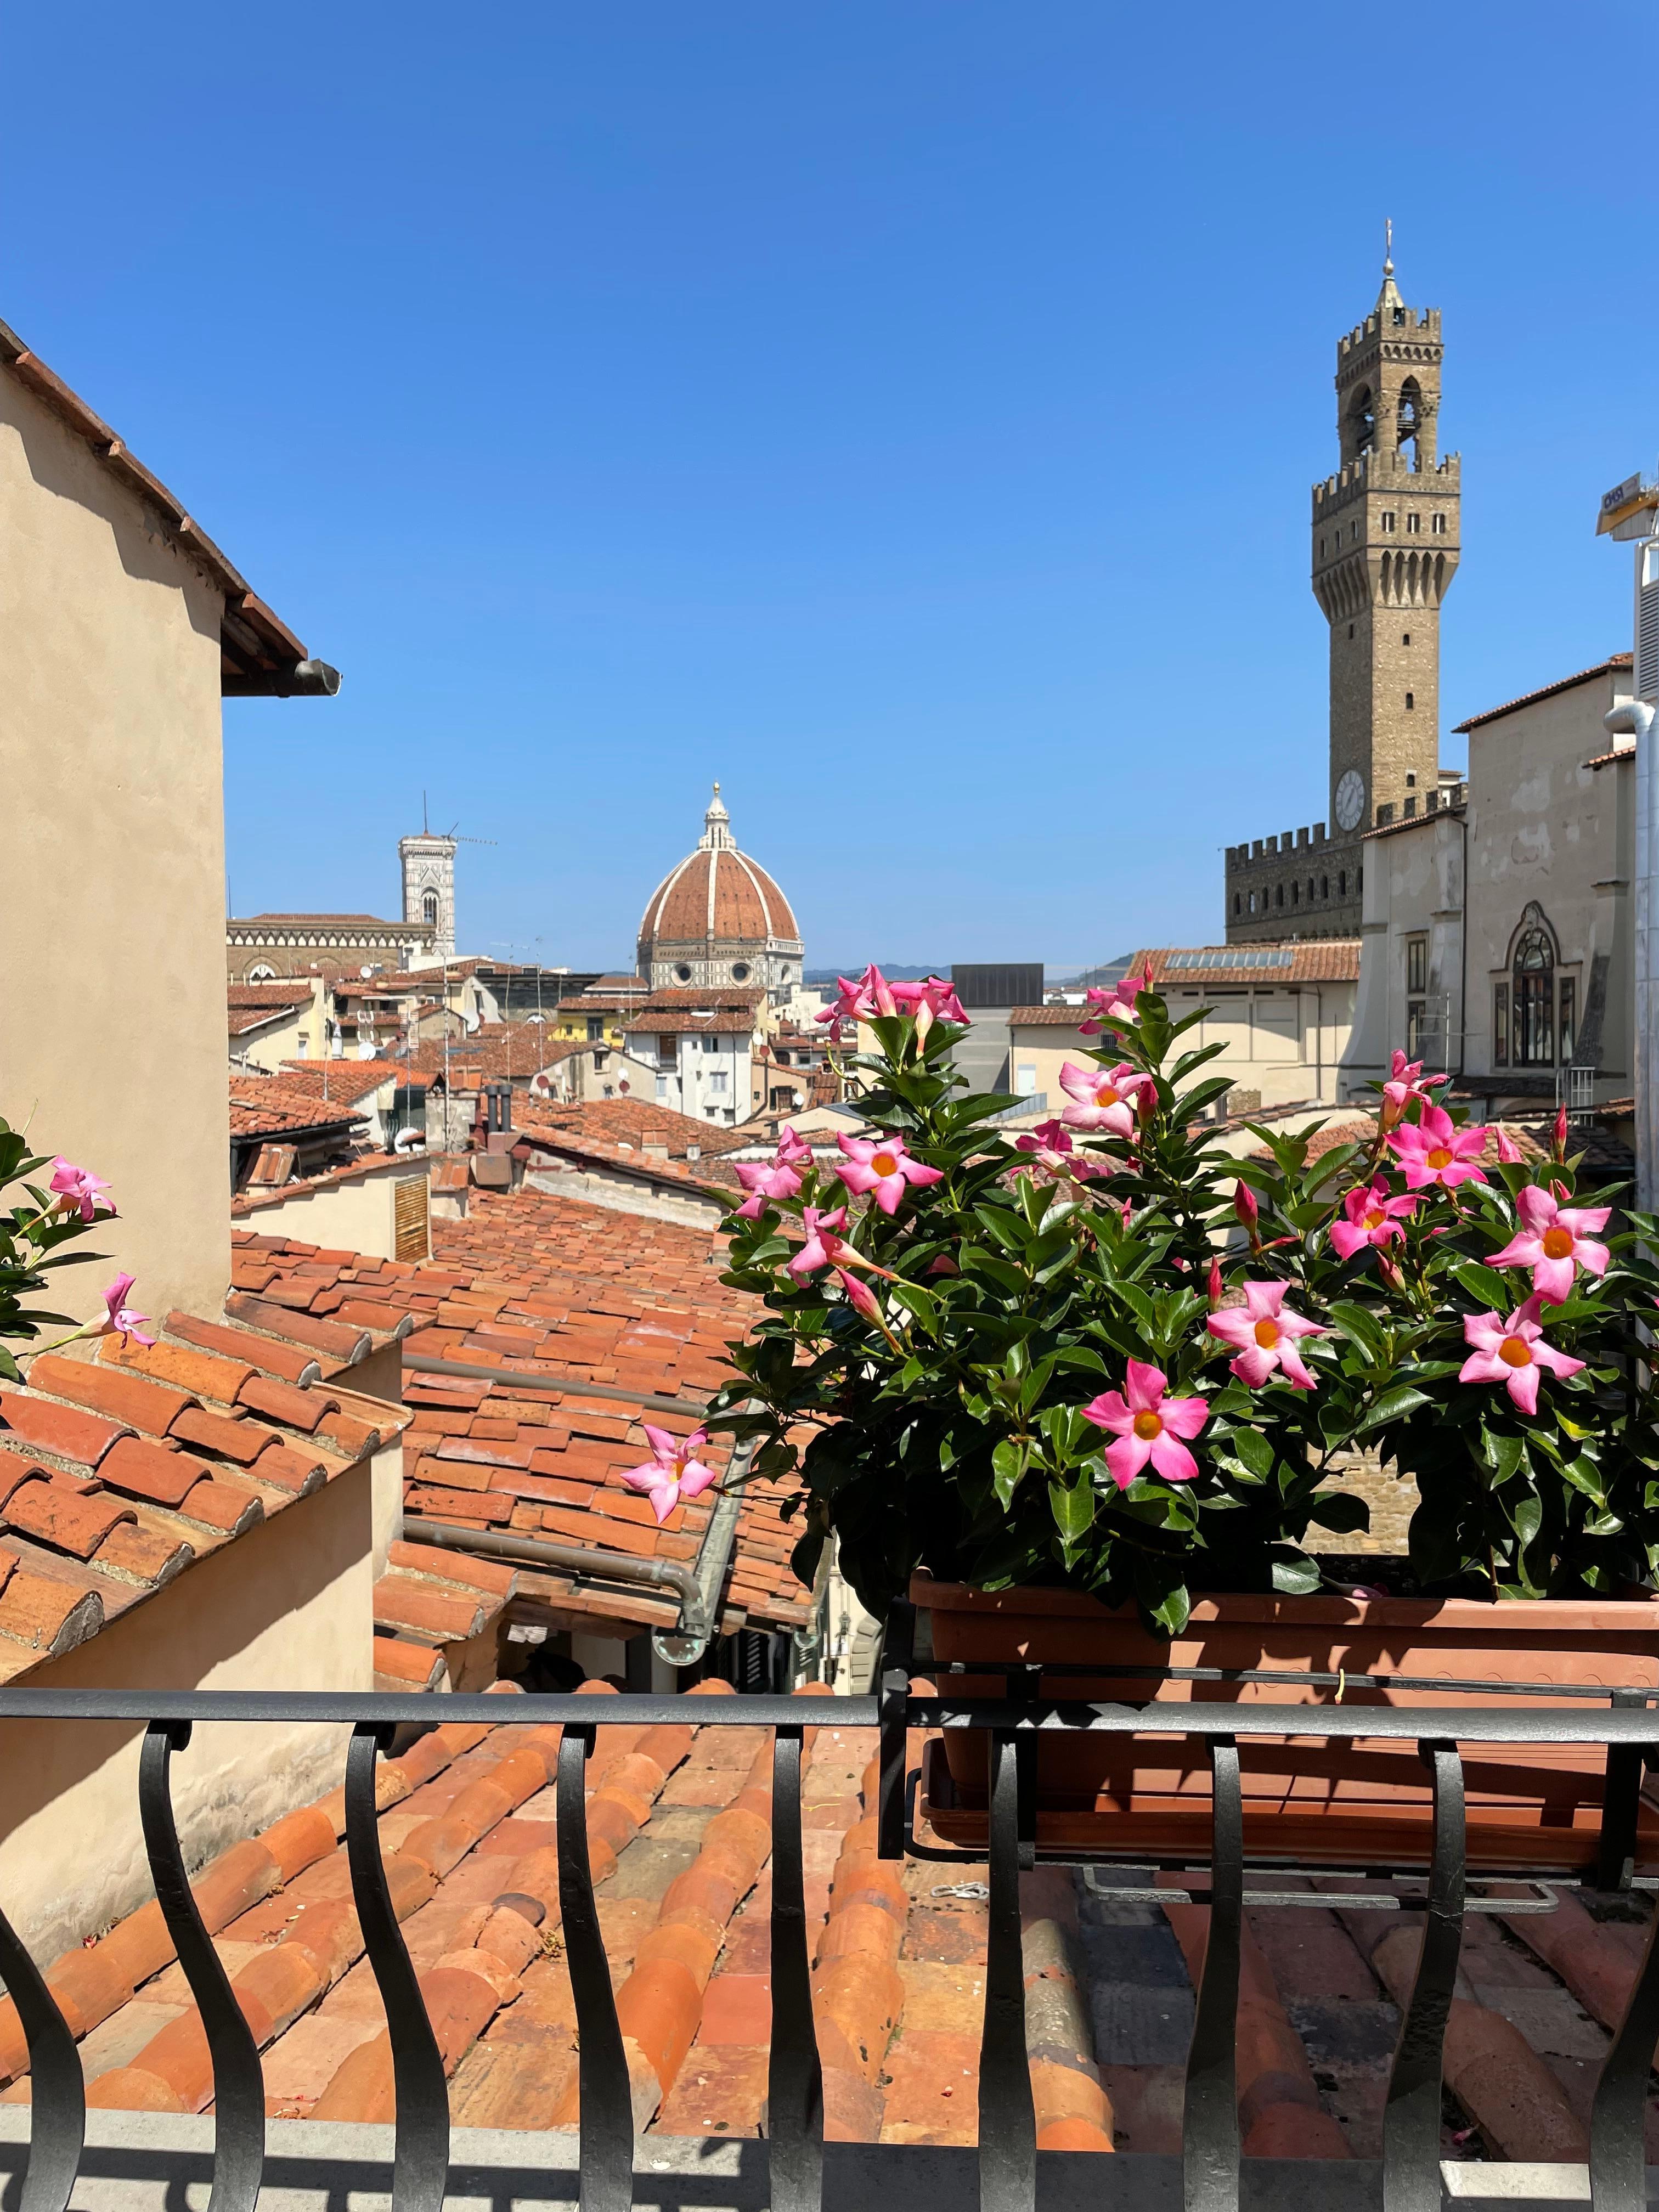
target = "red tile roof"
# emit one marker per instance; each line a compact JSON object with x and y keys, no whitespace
{"x":251,"y":1201}
{"x":678,"y":1829}
{"x":634,"y":1122}
{"x":273,"y":1106}
{"x":343,"y":1082}
{"x":1310,"y":960}
{"x":502,"y":1051}
{"x":1048,"y":1018}
{"x":547,"y":1290}
{"x":672,"y":1022}
{"x":117,"y":1475}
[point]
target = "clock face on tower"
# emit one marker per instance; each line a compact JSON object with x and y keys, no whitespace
{"x":1350,"y":801}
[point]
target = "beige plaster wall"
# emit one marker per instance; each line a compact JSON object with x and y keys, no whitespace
{"x":1413,"y":887}
{"x":1284,"y":1044}
{"x":1543,"y":827}
{"x":289,"y":1606}
{"x":110,"y":763}
{"x":353,"y":1217}
{"x":657,"y":1201}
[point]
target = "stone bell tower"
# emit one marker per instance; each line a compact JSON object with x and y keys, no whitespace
{"x":1385,"y":546}
{"x":428,"y":865}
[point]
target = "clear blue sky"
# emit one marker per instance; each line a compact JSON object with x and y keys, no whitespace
{"x":903,"y":412}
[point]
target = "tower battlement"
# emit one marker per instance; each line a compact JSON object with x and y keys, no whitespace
{"x":1382,"y":552}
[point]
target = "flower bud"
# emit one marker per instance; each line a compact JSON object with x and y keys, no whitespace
{"x":1245,"y":1206}
{"x":1214,"y":1285}
{"x":1558,"y":1143}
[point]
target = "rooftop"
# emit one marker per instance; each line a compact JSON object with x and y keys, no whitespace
{"x":278,"y":1106}
{"x":550,"y":1297}
{"x":341,"y":1081}
{"x":259,"y":654}
{"x":1616,"y":664}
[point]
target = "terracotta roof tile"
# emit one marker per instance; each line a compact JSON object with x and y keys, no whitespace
{"x":269,"y":1105}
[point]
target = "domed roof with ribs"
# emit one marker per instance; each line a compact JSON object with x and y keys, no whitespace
{"x":718,"y":894}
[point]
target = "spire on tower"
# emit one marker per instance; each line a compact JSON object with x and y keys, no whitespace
{"x":1389,"y":297}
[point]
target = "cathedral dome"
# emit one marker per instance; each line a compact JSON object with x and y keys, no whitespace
{"x":719,"y":918}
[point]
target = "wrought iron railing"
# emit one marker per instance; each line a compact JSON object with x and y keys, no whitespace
{"x":1625,"y":1728}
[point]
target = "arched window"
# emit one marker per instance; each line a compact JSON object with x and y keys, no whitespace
{"x":1279,"y":894}
{"x":429,"y":909}
{"x":1532,"y":975}
{"x":1295,"y":894}
{"x":1410,"y":420}
{"x":1342,"y":882}
{"x":261,"y":973}
{"x":1324,"y":887}
{"x":1359,"y":425}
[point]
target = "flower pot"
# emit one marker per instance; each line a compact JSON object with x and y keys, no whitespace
{"x":1359,"y":1803}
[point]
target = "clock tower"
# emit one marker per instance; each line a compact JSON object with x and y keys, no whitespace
{"x":1384,"y":549}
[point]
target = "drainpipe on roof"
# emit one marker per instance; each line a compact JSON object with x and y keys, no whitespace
{"x":1634,"y":718}
{"x":698,"y":1586}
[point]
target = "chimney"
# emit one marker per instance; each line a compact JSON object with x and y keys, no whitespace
{"x":653,"y":1143}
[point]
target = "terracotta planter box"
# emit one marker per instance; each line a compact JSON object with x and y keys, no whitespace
{"x":1355,"y":1804}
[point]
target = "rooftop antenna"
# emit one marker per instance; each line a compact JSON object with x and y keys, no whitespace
{"x":1388,"y":246}
{"x":426,"y":829}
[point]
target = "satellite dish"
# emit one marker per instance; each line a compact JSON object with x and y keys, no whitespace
{"x":365,"y":971}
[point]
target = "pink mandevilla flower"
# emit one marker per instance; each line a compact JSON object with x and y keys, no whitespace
{"x":932,"y":999}
{"x":1115,"y":1005}
{"x":1148,"y":1425}
{"x":671,"y":1472}
{"x":1372,"y":1217}
{"x":1555,"y":1242}
{"x":80,"y":1187}
{"x":1406,"y":1081}
{"x":1511,"y":1353}
{"x":120,"y":1319}
{"x":1508,"y":1153}
{"x":822,"y":1246}
{"x":1435,"y":1151}
{"x":1051,"y":1146}
{"x":793,"y":1150}
{"x":860,"y":1295}
{"x":881,"y":1166}
{"x":1266,"y":1335}
{"x":1102,"y":1098}
{"x":778,"y":1177}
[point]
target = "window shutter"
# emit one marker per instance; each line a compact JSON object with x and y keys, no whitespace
{"x":409,"y":1217}
{"x":1647,"y":627}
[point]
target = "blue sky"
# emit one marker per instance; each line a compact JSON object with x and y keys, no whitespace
{"x":903,"y":412}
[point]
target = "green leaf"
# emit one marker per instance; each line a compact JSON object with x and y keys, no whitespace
{"x":1339,"y":1509}
{"x":1526,"y":1517}
{"x":1393,"y":1405}
{"x":1073,"y":1506}
{"x":1485,"y":1286}
{"x":1160,"y":1593}
{"x":1008,"y":1462}
{"x":1255,"y":1450}
{"x":1295,"y":1576}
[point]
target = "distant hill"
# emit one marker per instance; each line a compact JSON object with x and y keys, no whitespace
{"x":826,"y":978}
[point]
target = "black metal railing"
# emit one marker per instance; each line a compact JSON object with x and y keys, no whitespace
{"x":1625,"y":1728}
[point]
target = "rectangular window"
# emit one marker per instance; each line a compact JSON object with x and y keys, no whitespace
{"x":595,"y":1028}
{"x":662,"y":1087}
{"x":1567,"y":994}
{"x":1025,"y":1079}
{"x":1437,"y":525}
{"x":711,"y":1044}
{"x":1415,"y":1029}
{"x":1388,"y":519}
{"x":668,"y":1047}
{"x":1417,"y":964}
{"x":1413,"y":525}
{"x":1500,"y":1025}
{"x":1534,"y":1020}
{"x":718,"y":1079}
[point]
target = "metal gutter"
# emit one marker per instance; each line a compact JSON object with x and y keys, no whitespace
{"x":558,"y":1385}
{"x":698,"y":1586}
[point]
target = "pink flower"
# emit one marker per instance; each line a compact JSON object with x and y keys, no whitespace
{"x":1432,"y":1151}
{"x":1052,"y":1145}
{"x":793,"y":1150}
{"x":1555,"y":1242}
{"x":1508,"y":1153}
{"x":1559,"y":1137}
{"x":775,"y":1178}
{"x":1511,"y":1353}
{"x":1245,"y":1207}
{"x":1104,"y":1098}
{"x":931,"y":1000}
{"x":860,"y":1295}
{"x":80,"y":1187}
{"x":671,"y":1472}
{"x":1373,"y":1217}
{"x":1116,"y":1004}
{"x":881,"y":1166}
{"x":1266,"y":1335}
{"x":120,"y":1319}
{"x":823,"y":1247}
{"x":1405,"y":1082}
{"x":1148,"y":1425}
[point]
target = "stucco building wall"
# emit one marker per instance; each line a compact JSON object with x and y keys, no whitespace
{"x":110,"y":761}
{"x":356,"y":1215}
{"x":285,"y":1607}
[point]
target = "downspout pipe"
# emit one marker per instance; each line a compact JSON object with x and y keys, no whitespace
{"x":698,"y":1586}
{"x":1634,"y":718}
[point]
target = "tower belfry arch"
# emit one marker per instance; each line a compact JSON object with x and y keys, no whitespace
{"x":1385,"y":540}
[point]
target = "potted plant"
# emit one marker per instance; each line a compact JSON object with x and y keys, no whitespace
{"x":1081,"y":1390}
